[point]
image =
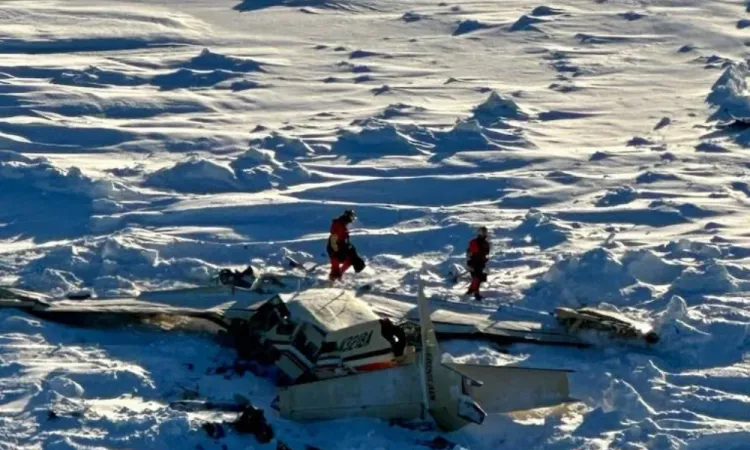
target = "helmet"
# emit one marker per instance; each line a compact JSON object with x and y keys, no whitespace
{"x":350,"y":215}
{"x":482,"y":231}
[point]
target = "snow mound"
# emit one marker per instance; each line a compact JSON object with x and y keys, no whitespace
{"x":687,"y":48}
{"x":729,"y":94}
{"x":638,"y":141}
{"x":655,"y":177}
{"x":65,"y":387}
{"x":208,"y":60}
{"x":375,"y":138}
{"x":543,"y":10}
{"x":378,"y":137}
{"x":648,"y":267}
{"x":53,"y":281}
{"x":244,"y":85}
{"x":114,"y":285}
{"x":575,"y":280}
{"x":358,"y":54}
{"x":527,"y":23}
{"x":497,"y":107}
{"x":470,"y":26}
{"x":711,"y":278}
{"x":258,"y":170}
{"x":96,"y":77}
{"x":540,"y":229}
{"x":284,"y":147}
{"x":399,"y":110}
{"x":187,"y":78}
{"x":618,"y":196}
{"x":624,"y":399}
{"x":468,"y":134}
{"x":196,"y":175}
{"x":711,"y":147}
{"x":685,"y":248}
{"x":632,"y":15}
{"x":253,"y":171}
{"x":663,"y":122}
{"x":38,"y":173}
{"x":411,"y":16}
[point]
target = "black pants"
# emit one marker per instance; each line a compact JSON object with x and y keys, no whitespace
{"x":477,"y":277}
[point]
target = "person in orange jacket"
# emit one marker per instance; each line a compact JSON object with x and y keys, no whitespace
{"x":339,"y":247}
{"x":476,"y":259}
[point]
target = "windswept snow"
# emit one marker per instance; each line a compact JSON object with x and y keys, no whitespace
{"x":147,"y":144}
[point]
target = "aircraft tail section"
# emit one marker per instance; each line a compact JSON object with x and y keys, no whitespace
{"x":444,"y":389}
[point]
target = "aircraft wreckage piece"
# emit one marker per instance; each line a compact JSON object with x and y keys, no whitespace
{"x":344,"y":359}
{"x":603,"y":320}
{"x":454,"y":395}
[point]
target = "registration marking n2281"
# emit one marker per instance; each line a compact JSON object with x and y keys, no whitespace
{"x":357,"y":341}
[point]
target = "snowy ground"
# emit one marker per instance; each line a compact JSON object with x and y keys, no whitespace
{"x":145,"y":143}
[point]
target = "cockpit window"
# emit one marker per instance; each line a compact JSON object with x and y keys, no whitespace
{"x":286,"y":327}
{"x":305,"y":347}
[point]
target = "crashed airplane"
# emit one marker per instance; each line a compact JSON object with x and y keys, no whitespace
{"x":346,"y":355}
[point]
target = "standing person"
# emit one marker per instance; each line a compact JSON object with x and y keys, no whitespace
{"x":476,"y":259}
{"x":339,"y":247}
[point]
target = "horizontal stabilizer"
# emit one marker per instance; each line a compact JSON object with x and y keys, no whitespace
{"x":385,"y":394}
{"x":505,"y":389}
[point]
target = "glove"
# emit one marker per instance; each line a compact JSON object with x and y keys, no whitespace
{"x":333,"y":242}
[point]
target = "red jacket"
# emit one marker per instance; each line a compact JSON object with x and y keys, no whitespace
{"x":478,"y":252}
{"x":338,"y":229}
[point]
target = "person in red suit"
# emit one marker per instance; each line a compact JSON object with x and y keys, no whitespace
{"x":476,"y":259}
{"x":339,"y":247}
